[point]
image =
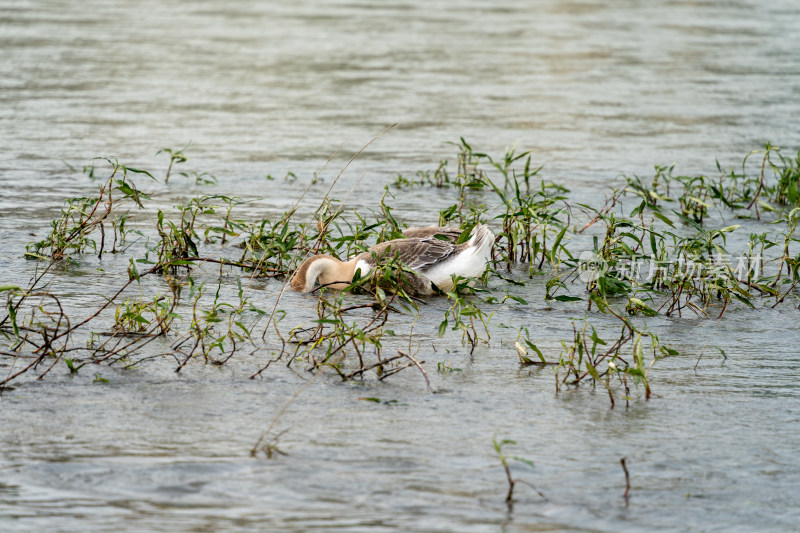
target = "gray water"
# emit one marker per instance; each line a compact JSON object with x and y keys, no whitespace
{"x":596,"y":90}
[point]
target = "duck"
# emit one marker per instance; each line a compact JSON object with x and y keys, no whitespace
{"x":431,"y":252}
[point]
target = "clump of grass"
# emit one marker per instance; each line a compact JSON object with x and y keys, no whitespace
{"x":274,"y":245}
{"x":774,"y":186}
{"x":176,"y":157}
{"x":505,"y":460}
{"x":136,"y":316}
{"x":334,"y":335}
{"x":437,"y":178}
{"x":81,"y":217}
{"x":465,"y":316}
{"x":588,"y":357}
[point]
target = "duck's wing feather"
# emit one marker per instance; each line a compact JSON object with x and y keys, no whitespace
{"x":416,"y":254}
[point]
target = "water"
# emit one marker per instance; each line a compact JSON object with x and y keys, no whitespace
{"x":596,"y":90}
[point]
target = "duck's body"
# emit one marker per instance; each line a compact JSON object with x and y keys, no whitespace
{"x":432,"y":259}
{"x":452,"y":234}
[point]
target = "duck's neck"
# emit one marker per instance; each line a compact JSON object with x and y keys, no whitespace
{"x":325,"y":269}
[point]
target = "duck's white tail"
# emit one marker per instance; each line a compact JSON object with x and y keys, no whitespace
{"x":482,"y":241}
{"x":469,"y":261}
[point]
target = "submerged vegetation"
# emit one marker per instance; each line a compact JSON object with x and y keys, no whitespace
{"x":660,"y":246}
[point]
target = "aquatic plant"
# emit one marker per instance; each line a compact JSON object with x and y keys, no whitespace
{"x":82,"y":216}
{"x":176,"y":157}
{"x":505,"y":462}
{"x":654,"y":247}
{"x":774,"y":186}
{"x":135,"y":316}
{"x":463,"y":314}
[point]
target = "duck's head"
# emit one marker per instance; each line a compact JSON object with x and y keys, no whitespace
{"x":323,"y":270}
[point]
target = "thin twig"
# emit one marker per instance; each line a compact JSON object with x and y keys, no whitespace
{"x":627,"y":480}
{"x":424,"y":374}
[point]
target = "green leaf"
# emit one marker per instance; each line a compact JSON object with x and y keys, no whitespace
{"x":554,"y":249}
{"x":722,"y":352}
{"x":634,"y":372}
{"x":640,"y":305}
{"x":138,"y":171}
{"x":191,"y":244}
{"x":638,"y":209}
{"x":131,"y":193}
{"x":523,"y":460}
{"x":524,"y":359}
{"x":565,"y":298}
{"x":595,"y":338}
{"x":535,"y":349}
{"x":327,"y":321}
{"x":730,"y":228}
{"x":701,"y":202}
{"x":12,"y":313}
{"x":592,"y":370}
{"x":689,"y":221}
{"x":465,"y":234}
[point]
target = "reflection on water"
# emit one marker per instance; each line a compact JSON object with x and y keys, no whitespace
{"x":596,"y":88}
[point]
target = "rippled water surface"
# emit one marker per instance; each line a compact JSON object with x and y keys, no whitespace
{"x":597,"y":89}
